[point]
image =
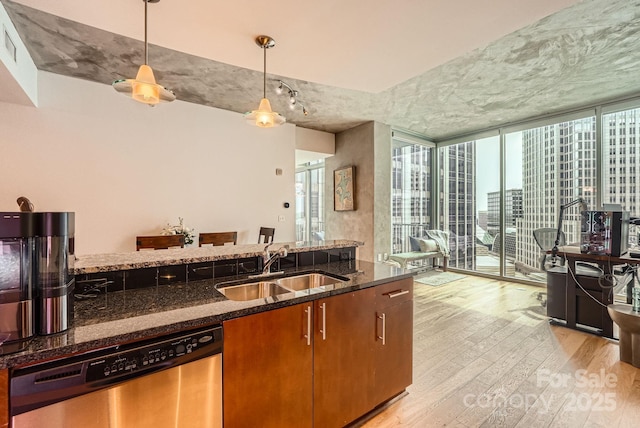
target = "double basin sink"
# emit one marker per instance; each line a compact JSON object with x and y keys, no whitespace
{"x":275,"y":286}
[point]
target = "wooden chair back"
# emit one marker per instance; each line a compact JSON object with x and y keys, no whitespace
{"x":217,"y":238}
{"x":268,"y":233}
{"x":159,"y":242}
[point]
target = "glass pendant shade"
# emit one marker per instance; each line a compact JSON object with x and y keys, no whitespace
{"x":144,"y":87}
{"x":264,"y":117}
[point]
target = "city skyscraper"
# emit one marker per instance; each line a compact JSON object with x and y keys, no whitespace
{"x":558,"y":166}
{"x":458,"y":202}
{"x":512,"y":209}
{"x":620,"y":160}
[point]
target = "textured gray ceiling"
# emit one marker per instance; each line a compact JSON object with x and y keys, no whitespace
{"x":582,"y":55}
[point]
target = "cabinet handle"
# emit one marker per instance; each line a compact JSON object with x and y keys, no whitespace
{"x":323,"y":329}
{"x":308,"y":335}
{"x":397,"y":293}
{"x":383,"y":317}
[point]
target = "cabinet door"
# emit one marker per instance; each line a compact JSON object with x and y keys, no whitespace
{"x":394,"y":339}
{"x":4,"y":398}
{"x":344,"y":338}
{"x":394,"y":351}
{"x":267,"y":369}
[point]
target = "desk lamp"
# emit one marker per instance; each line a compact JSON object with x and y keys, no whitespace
{"x":583,"y":207}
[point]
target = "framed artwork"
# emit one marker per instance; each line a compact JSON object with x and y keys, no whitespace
{"x":344,"y":197}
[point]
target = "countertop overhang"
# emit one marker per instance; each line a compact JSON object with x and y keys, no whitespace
{"x":95,"y":263}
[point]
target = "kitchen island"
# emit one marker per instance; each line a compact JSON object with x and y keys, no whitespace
{"x":133,"y":314}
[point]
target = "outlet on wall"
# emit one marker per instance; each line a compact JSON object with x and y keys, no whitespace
{"x":280,"y":218}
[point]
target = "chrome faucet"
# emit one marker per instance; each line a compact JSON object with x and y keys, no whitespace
{"x":270,"y":259}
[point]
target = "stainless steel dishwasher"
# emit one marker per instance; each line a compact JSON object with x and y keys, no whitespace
{"x":172,"y":382}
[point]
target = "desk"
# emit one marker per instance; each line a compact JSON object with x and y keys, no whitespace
{"x":601,"y":319}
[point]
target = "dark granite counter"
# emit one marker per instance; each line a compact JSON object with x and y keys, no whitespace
{"x":137,"y":314}
{"x":95,"y":263}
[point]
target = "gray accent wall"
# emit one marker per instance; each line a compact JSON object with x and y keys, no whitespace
{"x":582,"y":55}
{"x":368,"y":148}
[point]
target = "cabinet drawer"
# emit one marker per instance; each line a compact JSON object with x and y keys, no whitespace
{"x":395,"y":292}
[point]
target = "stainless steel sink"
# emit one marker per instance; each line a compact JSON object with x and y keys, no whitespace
{"x":307,"y":281}
{"x":253,"y":290}
{"x":276,"y":286}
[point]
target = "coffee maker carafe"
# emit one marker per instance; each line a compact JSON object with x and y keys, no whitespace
{"x":17,"y":245}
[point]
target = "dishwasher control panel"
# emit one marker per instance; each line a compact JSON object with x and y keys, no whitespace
{"x":157,"y":354}
{"x":39,"y":385}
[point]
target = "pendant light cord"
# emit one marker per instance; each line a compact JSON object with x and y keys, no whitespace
{"x":146,"y":53}
{"x":264,"y":74}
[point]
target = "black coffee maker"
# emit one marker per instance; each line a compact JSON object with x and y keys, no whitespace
{"x":17,"y":270}
{"x":54,"y":256}
{"x":36,"y":286}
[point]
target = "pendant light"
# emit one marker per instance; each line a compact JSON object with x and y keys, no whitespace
{"x":264,"y":117}
{"x":144,"y":87}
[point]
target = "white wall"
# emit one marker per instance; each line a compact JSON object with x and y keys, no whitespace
{"x":127,"y":169}
{"x":312,"y":145}
{"x":18,"y":79}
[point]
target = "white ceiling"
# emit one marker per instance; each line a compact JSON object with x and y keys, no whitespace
{"x":353,"y":44}
{"x":436,"y":68}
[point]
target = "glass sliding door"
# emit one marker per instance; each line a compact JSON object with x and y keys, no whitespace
{"x":301,"y":205}
{"x":469,"y":181}
{"x":310,"y":202}
{"x":411,"y":193}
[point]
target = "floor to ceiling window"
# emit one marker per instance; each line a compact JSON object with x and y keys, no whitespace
{"x":411,"y":192}
{"x":310,"y":202}
{"x":494,"y":189}
{"x":548,"y":166}
{"x":621,"y":163}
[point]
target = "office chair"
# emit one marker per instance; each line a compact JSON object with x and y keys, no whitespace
{"x":545,"y":238}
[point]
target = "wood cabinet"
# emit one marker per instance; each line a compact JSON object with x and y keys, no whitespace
{"x":323,"y":363}
{"x":343,"y":357}
{"x":4,"y":398}
{"x":393,"y":356}
{"x":267,"y":369}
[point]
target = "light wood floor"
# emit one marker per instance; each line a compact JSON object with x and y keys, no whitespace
{"x":486,"y":356}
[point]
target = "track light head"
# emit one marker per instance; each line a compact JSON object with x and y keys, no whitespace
{"x":293,"y":96}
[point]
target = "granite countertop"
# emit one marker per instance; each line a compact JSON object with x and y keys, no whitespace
{"x":138,"y":314}
{"x":95,"y":263}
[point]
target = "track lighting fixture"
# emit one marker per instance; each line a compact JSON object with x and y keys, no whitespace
{"x":293,"y":96}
